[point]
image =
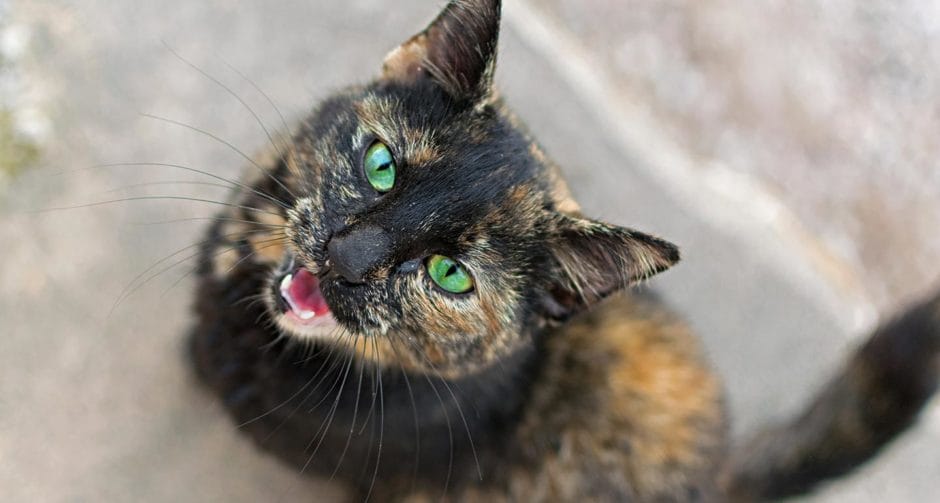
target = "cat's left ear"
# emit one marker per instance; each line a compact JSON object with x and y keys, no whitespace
{"x":595,"y":259}
{"x":457,"y":51}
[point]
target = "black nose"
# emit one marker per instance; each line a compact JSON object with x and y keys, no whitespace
{"x":355,"y":254}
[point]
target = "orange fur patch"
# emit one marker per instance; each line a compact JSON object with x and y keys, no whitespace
{"x":662,"y":389}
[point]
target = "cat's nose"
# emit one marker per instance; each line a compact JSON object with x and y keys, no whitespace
{"x":355,"y":254}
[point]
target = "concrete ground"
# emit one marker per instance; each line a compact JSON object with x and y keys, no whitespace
{"x":96,"y":404}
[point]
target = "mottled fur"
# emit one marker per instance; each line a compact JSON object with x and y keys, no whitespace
{"x":546,"y":382}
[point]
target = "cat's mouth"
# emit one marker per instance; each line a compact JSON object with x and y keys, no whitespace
{"x":303,"y":309}
{"x":300,"y":291}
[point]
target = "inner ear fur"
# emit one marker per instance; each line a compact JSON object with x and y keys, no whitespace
{"x":457,"y":51}
{"x":596,"y":259}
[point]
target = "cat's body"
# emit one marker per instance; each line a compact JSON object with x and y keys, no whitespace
{"x":517,"y":371}
{"x":620,"y":391}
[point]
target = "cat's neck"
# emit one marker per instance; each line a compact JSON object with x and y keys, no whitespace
{"x":448,"y":427}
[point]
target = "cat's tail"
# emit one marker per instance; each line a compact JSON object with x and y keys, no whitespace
{"x":876,"y":396}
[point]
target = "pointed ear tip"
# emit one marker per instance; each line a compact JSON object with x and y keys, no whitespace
{"x":669,"y":257}
{"x":457,"y":50}
{"x":672,"y":253}
{"x":666,"y":251}
{"x":666,"y":256}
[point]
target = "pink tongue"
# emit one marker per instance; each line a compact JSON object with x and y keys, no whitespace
{"x":304,"y":296}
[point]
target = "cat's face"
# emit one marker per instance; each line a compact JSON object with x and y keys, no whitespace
{"x":425,"y":228}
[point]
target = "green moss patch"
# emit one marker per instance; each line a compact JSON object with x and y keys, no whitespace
{"x":16,"y":151}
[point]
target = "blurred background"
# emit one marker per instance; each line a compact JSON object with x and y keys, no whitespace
{"x":790,"y":147}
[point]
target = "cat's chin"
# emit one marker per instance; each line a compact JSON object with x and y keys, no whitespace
{"x":321,"y":328}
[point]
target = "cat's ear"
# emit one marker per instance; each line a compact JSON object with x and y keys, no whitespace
{"x":595,"y":259}
{"x":457,"y":51}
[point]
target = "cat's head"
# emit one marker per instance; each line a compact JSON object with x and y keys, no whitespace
{"x":427,"y":227}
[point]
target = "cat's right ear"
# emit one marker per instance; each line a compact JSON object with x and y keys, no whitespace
{"x":594,"y":259}
{"x":457,"y":51}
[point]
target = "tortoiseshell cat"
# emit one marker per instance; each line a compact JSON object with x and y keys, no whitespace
{"x":409,"y":301}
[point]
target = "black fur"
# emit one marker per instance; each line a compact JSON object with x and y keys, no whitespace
{"x":299,"y":402}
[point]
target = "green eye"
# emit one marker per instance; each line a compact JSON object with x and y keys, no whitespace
{"x":448,"y":274}
{"x":380,"y":167}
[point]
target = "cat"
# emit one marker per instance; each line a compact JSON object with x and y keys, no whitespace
{"x":406,"y":298}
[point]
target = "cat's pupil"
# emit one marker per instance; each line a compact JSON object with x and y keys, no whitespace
{"x":451,"y":270}
{"x":383,"y":167}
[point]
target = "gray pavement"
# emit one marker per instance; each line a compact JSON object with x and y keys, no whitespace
{"x":98,"y":405}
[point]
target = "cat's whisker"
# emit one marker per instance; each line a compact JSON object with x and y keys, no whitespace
{"x":265,"y":319}
{"x":317,"y":433}
{"x":414,"y":410}
{"x":193,"y":270}
{"x":289,"y":157}
{"x":249,"y":300}
{"x":226,"y":143}
{"x":337,"y":362}
{"x":173,"y":183}
{"x":259,"y":90}
{"x":277,"y":238}
{"x":154,"y":198}
{"x":345,"y":338}
{"x":450,"y":431}
{"x":231,"y":93}
{"x":312,"y":344}
{"x":329,"y":420}
{"x":371,"y":403}
{"x":214,"y":219}
{"x":352,"y":426}
{"x":268,"y":243}
{"x":330,"y":366}
{"x":378,"y":457}
{"x":463,"y":417}
{"x":232,"y":183}
{"x":280,"y":405}
{"x":131,"y":288}
{"x":369,"y":444}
